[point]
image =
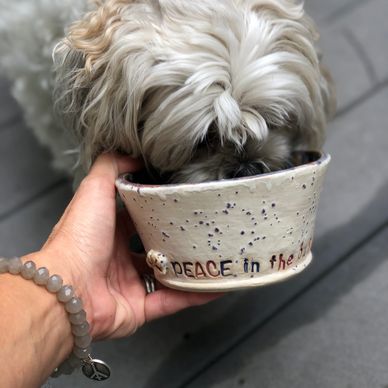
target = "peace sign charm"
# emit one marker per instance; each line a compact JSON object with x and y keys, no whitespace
{"x":96,"y":369}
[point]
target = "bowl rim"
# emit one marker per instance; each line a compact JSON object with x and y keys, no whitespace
{"x":122,"y":183}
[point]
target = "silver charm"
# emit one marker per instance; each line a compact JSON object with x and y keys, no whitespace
{"x":96,"y":369}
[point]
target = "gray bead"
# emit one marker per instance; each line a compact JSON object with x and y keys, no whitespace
{"x":15,"y":266}
{"x":54,"y":283}
{"x":41,"y":276}
{"x":80,"y":330}
{"x":28,"y":270}
{"x":83,"y":342}
{"x":81,"y":353}
{"x":74,"y":306}
{"x":66,"y":368}
{"x":65,"y":294}
{"x":79,"y":318}
{"x":3,"y":265}
{"x":74,"y":361}
{"x":56,"y":373}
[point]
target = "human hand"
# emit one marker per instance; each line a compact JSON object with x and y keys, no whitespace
{"x":90,"y":247}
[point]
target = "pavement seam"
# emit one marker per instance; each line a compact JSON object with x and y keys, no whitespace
{"x":344,"y":10}
{"x":11,"y":122}
{"x":314,"y":282}
{"x":372,"y":91}
{"x":362,"y":54}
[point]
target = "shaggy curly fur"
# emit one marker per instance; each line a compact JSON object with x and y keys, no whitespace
{"x":201,"y":89}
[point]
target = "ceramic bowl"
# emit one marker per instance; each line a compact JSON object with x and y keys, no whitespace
{"x":229,"y":234}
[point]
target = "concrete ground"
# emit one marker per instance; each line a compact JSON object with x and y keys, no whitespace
{"x":326,"y":328}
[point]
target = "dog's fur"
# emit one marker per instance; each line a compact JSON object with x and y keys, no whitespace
{"x":202,"y":90}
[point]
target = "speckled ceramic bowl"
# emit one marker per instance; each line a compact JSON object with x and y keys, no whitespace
{"x":229,"y":234}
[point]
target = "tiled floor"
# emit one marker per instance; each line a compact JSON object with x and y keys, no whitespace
{"x":326,"y":328}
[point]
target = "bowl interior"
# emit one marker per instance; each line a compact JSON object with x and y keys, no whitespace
{"x":145,"y":178}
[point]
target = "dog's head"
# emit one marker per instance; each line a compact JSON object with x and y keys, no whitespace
{"x":200,"y":89}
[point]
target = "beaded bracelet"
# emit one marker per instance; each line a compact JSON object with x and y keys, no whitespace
{"x":80,"y":356}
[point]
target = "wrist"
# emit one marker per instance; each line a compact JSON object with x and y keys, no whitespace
{"x":58,"y":263}
{"x":36,"y":333}
{"x":58,"y":307}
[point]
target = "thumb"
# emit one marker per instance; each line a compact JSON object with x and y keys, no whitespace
{"x":110,"y":165}
{"x":97,"y":188}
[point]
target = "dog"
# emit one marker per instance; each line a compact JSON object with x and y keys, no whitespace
{"x":201,"y":90}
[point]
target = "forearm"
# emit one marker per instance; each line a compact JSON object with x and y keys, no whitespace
{"x":35,"y":333}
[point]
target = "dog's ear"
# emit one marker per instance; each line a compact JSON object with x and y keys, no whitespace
{"x":99,"y":74}
{"x":328,"y":92}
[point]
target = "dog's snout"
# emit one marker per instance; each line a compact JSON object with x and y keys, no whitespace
{"x":247,"y":169}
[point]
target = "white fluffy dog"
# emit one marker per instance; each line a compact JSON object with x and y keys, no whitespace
{"x":202,"y":90}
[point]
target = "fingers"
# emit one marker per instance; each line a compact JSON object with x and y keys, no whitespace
{"x":110,"y":165}
{"x":100,"y":182}
{"x":97,"y":192}
{"x":107,"y":166}
{"x":126,"y":164}
{"x":165,"y":302}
